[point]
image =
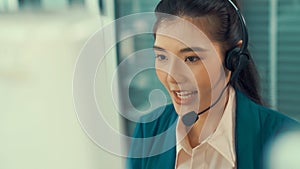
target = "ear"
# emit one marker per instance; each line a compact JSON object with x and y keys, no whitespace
{"x":239,"y":44}
{"x":227,"y":74}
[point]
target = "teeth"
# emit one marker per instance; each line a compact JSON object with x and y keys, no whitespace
{"x":184,"y":97}
{"x":185,"y":94}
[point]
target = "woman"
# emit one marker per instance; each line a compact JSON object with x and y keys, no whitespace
{"x":203,"y":61}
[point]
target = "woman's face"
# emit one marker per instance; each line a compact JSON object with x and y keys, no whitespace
{"x":189,"y":65}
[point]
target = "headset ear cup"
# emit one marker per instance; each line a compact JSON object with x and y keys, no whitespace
{"x":241,"y":62}
{"x":232,"y":58}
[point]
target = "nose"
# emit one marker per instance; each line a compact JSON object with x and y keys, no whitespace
{"x":176,"y":71}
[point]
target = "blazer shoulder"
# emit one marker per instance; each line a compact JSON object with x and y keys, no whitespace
{"x":273,"y":119}
{"x":270,"y":121}
{"x":265,"y":115}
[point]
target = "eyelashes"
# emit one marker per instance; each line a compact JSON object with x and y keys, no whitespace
{"x":192,"y":59}
{"x":161,"y":57}
{"x":187,"y":59}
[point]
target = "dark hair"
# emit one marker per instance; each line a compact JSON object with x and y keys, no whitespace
{"x":226,"y":29}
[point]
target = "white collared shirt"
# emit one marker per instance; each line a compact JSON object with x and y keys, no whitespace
{"x":215,"y":152}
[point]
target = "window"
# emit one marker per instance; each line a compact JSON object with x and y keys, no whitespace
{"x":274,"y":30}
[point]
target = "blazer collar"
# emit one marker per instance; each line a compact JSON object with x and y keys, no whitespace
{"x":246,"y":129}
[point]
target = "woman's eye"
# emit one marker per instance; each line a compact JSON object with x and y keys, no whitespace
{"x":161,"y":57}
{"x":192,"y":59}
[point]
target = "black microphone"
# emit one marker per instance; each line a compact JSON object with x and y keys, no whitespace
{"x":191,"y":117}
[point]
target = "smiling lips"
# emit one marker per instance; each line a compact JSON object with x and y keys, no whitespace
{"x":184,"y":97}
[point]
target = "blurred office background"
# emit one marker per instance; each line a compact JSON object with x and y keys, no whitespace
{"x":39,"y":44}
{"x":41,"y":39}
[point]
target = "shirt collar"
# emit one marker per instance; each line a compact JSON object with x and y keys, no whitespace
{"x":223,"y":138}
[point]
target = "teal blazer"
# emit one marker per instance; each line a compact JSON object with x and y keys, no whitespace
{"x":256,"y":126}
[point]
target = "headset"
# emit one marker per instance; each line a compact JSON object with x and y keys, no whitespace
{"x":235,"y":60}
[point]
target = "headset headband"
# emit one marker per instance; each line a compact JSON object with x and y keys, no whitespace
{"x":243,"y":26}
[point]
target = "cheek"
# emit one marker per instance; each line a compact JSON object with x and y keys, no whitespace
{"x":202,"y":79}
{"x":162,"y":76}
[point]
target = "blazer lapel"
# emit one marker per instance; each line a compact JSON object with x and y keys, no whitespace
{"x":246,"y":133}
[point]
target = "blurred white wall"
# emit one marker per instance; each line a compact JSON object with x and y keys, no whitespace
{"x":9,"y":5}
{"x":38,"y":124}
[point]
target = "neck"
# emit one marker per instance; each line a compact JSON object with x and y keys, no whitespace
{"x":196,"y":134}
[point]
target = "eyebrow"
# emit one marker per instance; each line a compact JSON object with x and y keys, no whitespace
{"x":189,"y":49}
{"x":192,"y":49}
{"x":158,"y":48}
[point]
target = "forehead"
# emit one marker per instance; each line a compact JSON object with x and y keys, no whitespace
{"x":181,"y":31}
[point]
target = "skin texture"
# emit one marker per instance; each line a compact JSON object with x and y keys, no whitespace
{"x":188,"y":61}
